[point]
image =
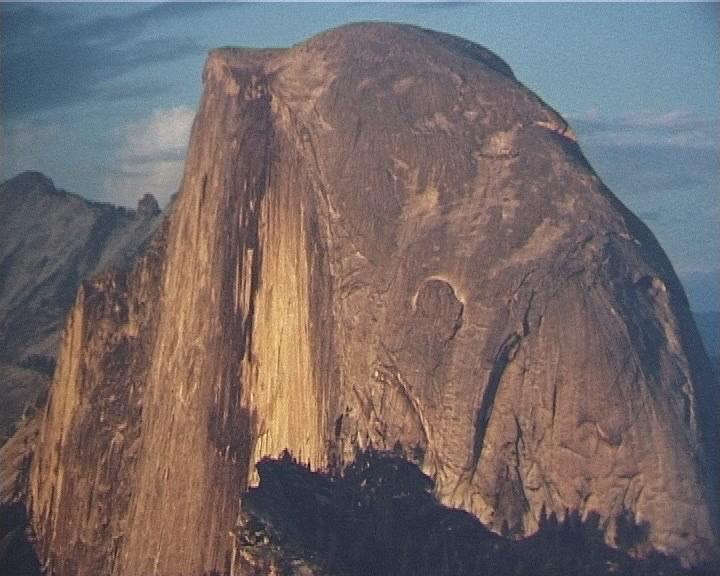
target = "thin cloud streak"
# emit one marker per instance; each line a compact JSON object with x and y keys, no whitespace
{"x":673,"y":129}
{"x":664,"y":166}
{"x":152,"y":157}
{"x":50,"y":60}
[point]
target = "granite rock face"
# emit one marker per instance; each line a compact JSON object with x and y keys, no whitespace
{"x":50,"y":241}
{"x":382,"y":239}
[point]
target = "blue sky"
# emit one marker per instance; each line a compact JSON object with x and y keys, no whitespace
{"x":100,"y":97}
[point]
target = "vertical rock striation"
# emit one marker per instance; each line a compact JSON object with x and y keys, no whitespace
{"x":84,"y":465}
{"x":382,"y":238}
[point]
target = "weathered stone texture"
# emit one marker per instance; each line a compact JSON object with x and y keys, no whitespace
{"x":382,"y":238}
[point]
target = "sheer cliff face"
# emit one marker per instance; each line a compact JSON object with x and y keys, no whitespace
{"x":381,"y":238}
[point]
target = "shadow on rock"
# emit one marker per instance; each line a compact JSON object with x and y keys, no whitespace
{"x":17,"y":556}
{"x":379,"y":517}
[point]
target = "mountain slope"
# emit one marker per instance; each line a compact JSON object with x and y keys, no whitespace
{"x":382,"y":239}
{"x":50,"y":241}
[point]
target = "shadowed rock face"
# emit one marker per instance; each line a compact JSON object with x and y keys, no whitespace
{"x":50,"y":241}
{"x":378,"y":517}
{"x":382,"y":238}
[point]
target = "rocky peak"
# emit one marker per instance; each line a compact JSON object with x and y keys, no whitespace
{"x":29,"y":179}
{"x":148,"y":207}
{"x":382,"y":239}
{"x":50,"y":241}
{"x":392,"y":40}
{"x":26,"y":184}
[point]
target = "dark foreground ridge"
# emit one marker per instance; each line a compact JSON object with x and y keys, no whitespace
{"x":17,"y":556}
{"x":380,"y":517}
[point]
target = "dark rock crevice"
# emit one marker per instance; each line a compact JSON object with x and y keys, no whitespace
{"x":502,"y":358}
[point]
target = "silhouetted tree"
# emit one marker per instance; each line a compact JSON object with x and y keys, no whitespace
{"x":380,"y":517}
{"x":17,"y":556}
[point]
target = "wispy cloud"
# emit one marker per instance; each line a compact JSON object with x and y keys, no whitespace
{"x":152,"y":157}
{"x":665,"y":167}
{"x":673,"y":129}
{"x":651,"y":152}
{"x":51,"y":57}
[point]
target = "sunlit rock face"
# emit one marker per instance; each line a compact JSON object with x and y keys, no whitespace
{"x":382,"y":239}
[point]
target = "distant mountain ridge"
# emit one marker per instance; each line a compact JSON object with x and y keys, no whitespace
{"x":51,"y":240}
